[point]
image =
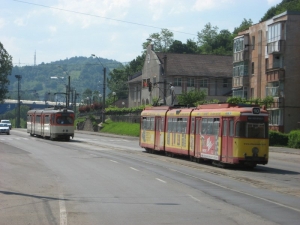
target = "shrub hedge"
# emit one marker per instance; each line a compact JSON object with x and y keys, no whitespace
{"x":277,"y":139}
{"x":294,"y":139}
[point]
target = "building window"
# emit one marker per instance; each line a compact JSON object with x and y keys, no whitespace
{"x":275,"y":117}
{"x":240,"y":69}
{"x":253,"y":42}
{"x":146,"y":82}
{"x":203,"y":83}
{"x":238,"y":44}
{"x":267,"y":64}
{"x":177,"y":82}
{"x":252,"y":68}
{"x":191,"y":82}
{"x":225,"y":82}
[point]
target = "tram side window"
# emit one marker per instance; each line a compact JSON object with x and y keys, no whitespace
{"x":184,"y":125}
{"x":28,"y":118}
{"x":47,"y":119}
{"x":231,"y":128}
{"x":174,"y":125}
{"x":152,"y":123}
{"x":38,"y":119}
{"x":216,"y":126}
{"x":240,"y":129}
{"x":143,"y":125}
{"x":193,"y":125}
{"x":178,"y":125}
{"x":204,"y":126}
{"x":162,"y":125}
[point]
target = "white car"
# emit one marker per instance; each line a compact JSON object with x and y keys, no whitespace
{"x":4,"y":128}
{"x":7,"y":122}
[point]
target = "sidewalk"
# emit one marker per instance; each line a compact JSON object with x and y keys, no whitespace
{"x":271,"y":148}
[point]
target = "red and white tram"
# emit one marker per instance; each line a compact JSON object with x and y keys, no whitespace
{"x":53,"y":123}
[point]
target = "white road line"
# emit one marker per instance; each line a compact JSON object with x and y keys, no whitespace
{"x":196,"y":199}
{"x":62,"y":210}
{"x":160,"y":180}
{"x":133,"y":168}
{"x":241,"y":192}
{"x":113,"y":161}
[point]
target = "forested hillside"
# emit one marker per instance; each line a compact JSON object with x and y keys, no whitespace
{"x":36,"y":83}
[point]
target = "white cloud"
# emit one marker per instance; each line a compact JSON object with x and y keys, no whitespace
{"x":2,"y":23}
{"x":89,"y":10}
{"x":52,"y":29}
{"x":273,"y":2}
{"x":19,"y":22}
{"x":201,"y":5}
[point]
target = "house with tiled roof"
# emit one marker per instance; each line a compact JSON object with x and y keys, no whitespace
{"x":171,"y":74}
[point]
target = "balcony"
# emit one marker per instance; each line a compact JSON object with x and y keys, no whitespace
{"x":240,"y":81}
{"x":276,"y":47}
{"x":240,"y":56}
{"x":278,"y":102}
{"x":275,"y":74}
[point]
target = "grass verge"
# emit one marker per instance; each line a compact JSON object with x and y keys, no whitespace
{"x":121,"y":128}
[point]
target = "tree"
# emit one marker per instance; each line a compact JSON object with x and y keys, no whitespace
{"x":207,"y":37}
{"x":178,"y":47}
{"x":5,"y":70}
{"x":161,"y":41}
{"x":191,"y":98}
{"x":243,"y":26}
{"x":291,"y":5}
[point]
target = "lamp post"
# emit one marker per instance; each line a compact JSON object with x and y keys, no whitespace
{"x":19,"y":77}
{"x":114,"y":94}
{"x":104,"y":86}
{"x":67,"y":87}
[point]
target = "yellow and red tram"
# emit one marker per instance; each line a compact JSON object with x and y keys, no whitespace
{"x":53,"y":123}
{"x":223,"y":133}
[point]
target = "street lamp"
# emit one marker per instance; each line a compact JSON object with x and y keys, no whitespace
{"x":123,"y":104}
{"x":104,"y":86}
{"x":68,"y":87}
{"x":19,"y":77}
{"x":114,"y":94}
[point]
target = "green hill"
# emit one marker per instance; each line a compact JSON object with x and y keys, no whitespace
{"x":36,"y":83}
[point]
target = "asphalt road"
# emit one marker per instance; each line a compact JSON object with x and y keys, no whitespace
{"x":110,"y":180}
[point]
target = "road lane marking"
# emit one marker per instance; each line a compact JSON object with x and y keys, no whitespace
{"x":62,"y":210}
{"x":196,"y":199}
{"x":241,"y":192}
{"x":161,"y":180}
{"x":113,"y":161}
{"x":133,"y":168}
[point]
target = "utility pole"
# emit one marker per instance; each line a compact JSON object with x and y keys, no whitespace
{"x":104,"y":87}
{"x":19,"y":77}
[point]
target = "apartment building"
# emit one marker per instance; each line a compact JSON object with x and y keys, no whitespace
{"x":266,"y":62}
{"x":171,"y":74}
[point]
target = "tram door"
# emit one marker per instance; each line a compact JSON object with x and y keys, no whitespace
{"x":198,"y":140}
{"x":227,"y":139}
{"x":157,"y":132}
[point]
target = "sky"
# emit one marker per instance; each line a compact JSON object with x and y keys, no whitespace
{"x":113,"y":29}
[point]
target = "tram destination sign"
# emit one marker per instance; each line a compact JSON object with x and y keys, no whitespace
{"x":256,"y":119}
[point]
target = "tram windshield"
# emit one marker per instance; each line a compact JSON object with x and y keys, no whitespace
{"x":251,"y":130}
{"x":64,"y":120}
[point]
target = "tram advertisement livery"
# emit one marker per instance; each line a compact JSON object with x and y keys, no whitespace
{"x":222,"y":133}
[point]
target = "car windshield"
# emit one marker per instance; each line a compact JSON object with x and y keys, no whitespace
{"x":5,"y":121}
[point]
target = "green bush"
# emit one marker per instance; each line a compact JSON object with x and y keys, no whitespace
{"x":294,"y":139}
{"x":278,"y":139}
